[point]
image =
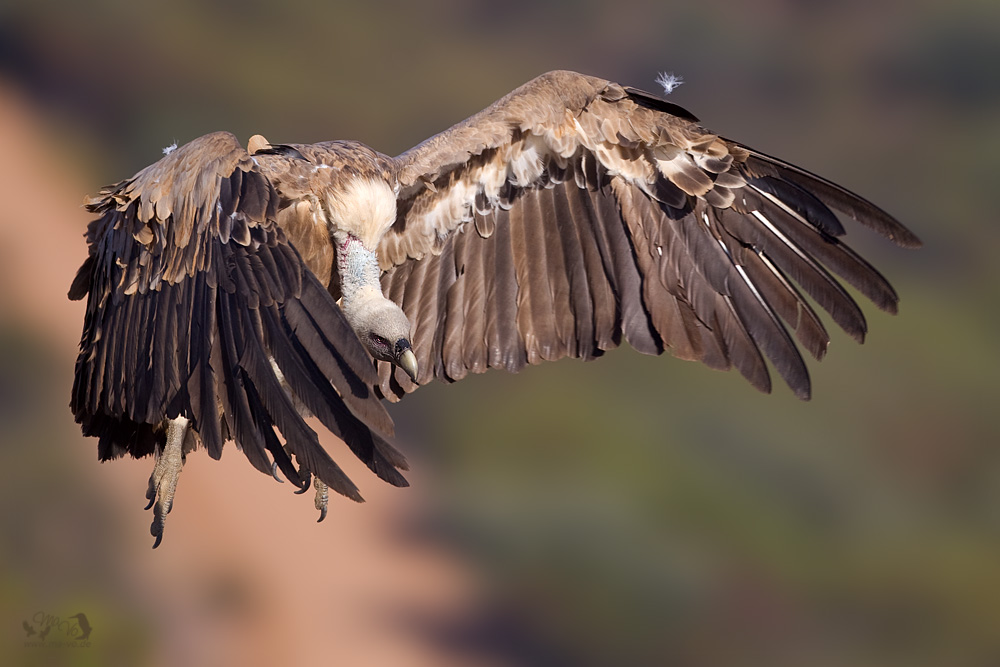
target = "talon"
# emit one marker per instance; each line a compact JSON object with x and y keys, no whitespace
{"x":274,"y":473}
{"x":163,"y":481}
{"x":306,"y":479}
{"x":322,"y":498}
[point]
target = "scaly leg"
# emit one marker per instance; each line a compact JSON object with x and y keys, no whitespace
{"x":322,"y":497}
{"x":163,"y":481}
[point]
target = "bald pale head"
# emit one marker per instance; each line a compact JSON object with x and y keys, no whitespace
{"x":383,"y":329}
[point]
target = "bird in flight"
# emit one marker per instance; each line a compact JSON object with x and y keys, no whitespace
{"x":232,"y":293}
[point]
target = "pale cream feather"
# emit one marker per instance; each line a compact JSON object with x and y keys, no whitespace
{"x":365,"y":209}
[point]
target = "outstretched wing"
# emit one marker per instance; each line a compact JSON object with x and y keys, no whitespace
{"x":199,"y":306}
{"x":574,"y":212}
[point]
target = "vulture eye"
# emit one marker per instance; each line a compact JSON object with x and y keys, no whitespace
{"x":378,"y":340}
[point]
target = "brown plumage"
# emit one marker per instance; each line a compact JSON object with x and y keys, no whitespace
{"x":567,"y":216}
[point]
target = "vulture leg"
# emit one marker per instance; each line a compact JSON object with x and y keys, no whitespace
{"x":322,"y":497}
{"x":163,"y":481}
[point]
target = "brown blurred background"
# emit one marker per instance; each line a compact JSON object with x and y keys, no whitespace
{"x":633,"y":511}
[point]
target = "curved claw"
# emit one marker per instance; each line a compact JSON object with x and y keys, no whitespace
{"x":160,"y":511}
{"x":274,"y":473}
{"x":322,"y":498}
{"x":306,"y":481}
{"x":156,"y":530}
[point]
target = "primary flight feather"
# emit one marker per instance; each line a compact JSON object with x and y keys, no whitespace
{"x":233,"y":292}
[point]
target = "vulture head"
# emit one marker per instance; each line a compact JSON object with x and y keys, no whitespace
{"x":383,"y":328}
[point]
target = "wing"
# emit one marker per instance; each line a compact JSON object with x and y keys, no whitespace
{"x":199,"y":306}
{"x":575,"y":212}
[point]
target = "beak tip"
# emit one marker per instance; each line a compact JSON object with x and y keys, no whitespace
{"x":408,"y":362}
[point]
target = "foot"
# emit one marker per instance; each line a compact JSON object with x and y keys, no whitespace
{"x":322,"y":497}
{"x":163,"y":481}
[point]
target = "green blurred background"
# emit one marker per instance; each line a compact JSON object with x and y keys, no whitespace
{"x":632,"y":511}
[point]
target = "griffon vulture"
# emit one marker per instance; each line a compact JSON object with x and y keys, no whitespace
{"x":232,"y":292}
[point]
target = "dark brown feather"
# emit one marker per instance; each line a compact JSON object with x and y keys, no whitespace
{"x":535,"y":319}
{"x":557,"y":277}
{"x":578,"y":323}
{"x":453,"y":324}
{"x":836,"y":196}
{"x":674,"y":325}
{"x":506,"y":345}
{"x":476,"y":264}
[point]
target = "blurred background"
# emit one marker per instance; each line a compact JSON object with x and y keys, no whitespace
{"x":631,"y":511}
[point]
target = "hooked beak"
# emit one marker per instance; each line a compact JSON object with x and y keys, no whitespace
{"x":405,"y":358}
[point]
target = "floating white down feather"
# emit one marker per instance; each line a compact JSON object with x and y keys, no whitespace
{"x":668,"y":81}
